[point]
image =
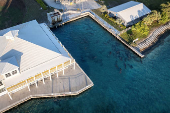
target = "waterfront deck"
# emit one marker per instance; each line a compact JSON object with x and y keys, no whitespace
{"x":73,"y":82}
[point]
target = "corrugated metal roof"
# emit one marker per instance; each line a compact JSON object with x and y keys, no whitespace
{"x":35,"y":50}
{"x":130,"y":11}
{"x":3,"y":44}
{"x":31,"y":48}
{"x":8,"y":65}
{"x":124,"y":6}
{"x":33,"y":71}
{"x":11,"y":34}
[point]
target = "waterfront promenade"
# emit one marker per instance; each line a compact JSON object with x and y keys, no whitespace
{"x":104,"y":24}
{"x":73,"y":82}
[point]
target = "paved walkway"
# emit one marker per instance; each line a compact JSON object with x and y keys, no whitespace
{"x":89,"y":4}
{"x":72,"y":83}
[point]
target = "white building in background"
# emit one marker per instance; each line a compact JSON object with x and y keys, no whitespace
{"x":130,"y":12}
{"x":29,"y":52}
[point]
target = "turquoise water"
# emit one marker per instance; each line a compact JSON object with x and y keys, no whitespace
{"x":123,"y":82}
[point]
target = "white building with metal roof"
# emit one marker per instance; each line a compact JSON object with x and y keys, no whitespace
{"x":29,"y":52}
{"x":129,"y":12}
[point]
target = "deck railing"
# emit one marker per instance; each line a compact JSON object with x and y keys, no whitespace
{"x":40,"y":76}
{"x":46,"y":95}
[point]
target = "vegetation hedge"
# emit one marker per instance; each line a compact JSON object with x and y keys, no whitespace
{"x":155,"y":19}
{"x":109,"y":20}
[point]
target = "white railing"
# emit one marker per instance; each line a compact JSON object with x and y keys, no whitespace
{"x":47,"y":95}
{"x":52,"y":67}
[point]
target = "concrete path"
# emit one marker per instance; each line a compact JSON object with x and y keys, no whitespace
{"x":72,"y":83}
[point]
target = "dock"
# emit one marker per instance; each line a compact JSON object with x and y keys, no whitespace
{"x":73,"y":82}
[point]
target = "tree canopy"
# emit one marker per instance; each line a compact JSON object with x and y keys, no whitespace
{"x":140,"y":28}
{"x":165,"y":8}
{"x":153,"y":16}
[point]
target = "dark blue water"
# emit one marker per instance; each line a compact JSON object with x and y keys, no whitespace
{"x":123,"y":83}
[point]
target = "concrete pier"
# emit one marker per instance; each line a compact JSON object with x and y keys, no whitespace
{"x":73,"y":82}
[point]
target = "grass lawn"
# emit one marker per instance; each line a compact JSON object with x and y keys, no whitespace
{"x":97,"y":11}
{"x":14,"y":12}
{"x":129,"y":36}
{"x":152,"y":4}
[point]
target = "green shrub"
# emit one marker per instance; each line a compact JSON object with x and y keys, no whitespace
{"x":129,"y":32}
{"x":108,"y":19}
{"x":164,"y":18}
{"x":165,"y":8}
{"x":106,"y":15}
{"x":42,"y":4}
{"x":122,"y":26}
{"x":127,"y":37}
{"x":112,"y":19}
{"x":140,"y":28}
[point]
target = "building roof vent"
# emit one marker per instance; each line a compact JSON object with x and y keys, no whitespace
{"x":11,"y":34}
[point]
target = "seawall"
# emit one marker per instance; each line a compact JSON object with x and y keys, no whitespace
{"x":153,"y":38}
{"x":105,"y":25}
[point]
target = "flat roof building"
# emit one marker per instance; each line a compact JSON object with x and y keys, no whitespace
{"x":29,"y":52}
{"x":129,"y":12}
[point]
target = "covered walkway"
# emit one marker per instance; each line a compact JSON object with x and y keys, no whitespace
{"x":40,"y":76}
{"x":72,"y":82}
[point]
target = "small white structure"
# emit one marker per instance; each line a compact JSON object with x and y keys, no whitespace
{"x":129,"y":12}
{"x":54,"y":17}
{"x":33,"y":54}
